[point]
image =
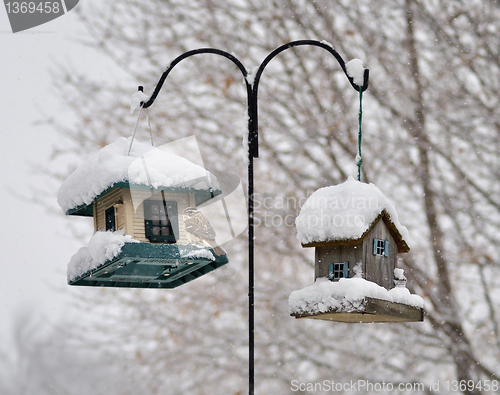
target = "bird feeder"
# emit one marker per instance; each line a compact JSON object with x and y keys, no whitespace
{"x":357,"y":237}
{"x":148,"y":231}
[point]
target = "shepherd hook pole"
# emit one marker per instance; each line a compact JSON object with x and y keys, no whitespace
{"x":253,"y":152}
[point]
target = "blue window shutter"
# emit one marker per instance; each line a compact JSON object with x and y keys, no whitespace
{"x":386,"y":248}
{"x":346,"y":269}
{"x":330,"y":271}
{"x":375,"y":246}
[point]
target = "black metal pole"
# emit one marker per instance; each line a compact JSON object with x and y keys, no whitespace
{"x":251,"y":278}
{"x":253,"y":152}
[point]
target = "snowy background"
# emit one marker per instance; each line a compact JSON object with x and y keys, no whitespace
{"x":441,"y":174}
{"x":35,"y":242}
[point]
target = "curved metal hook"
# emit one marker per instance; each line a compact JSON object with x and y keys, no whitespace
{"x":321,"y":44}
{"x":253,"y":137}
{"x":252,"y":89}
{"x":188,"y":54}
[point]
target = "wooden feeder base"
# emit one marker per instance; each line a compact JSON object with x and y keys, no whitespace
{"x":374,"y":310}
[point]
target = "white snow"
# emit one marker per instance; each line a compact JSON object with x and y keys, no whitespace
{"x":356,"y":71}
{"x":346,"y":295}
{"x":327,"y":43}
{"x":201,"y":253}
{"x":103,"y":246}
{"x":245,"y":142}
{"x":358,"y":159}
{"x":251,"y":75}
{"x":145,"y":165}
{"x":399,"y":274}
{"x":343,"y":212}
{"x":399,"y":278}
{"x":136,"y":99}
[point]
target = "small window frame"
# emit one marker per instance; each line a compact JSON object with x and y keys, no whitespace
{"x":169,"y":208}
{"x":338,"y":270}
{"x":381,"y":247}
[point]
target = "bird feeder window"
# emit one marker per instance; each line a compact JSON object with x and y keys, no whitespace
{"x":110,"y":219}
{"x":381,"y":247}
{"x":160,"y":219}
{"x":338,"y":270}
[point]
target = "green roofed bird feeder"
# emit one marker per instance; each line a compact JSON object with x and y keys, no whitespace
{"x":148,"y":231}
{"x":357,"y":236}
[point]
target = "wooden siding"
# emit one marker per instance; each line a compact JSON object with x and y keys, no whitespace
{"x":378,"y":268}
{"x":336,"y":254}
{"x":132,"y":220}
{"x":112,"y":198}
{"x":128,"y":211}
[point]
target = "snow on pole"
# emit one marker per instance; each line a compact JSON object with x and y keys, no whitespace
{"x":356,"y":71}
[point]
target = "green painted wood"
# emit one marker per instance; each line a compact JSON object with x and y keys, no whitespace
{"x":148,"y":265}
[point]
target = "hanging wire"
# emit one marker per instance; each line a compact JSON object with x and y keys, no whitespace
{"x":359,"y":159}
{"x":133,"y":134}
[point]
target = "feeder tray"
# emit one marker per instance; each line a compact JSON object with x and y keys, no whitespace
{"x":371,"y":310}
{"x":146,"y":265}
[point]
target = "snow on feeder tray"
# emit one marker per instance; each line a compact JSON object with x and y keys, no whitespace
{"x":357,"y":237}
{"x":148,"y":231}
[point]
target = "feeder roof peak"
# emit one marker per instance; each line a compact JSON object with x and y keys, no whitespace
{"x":346,"y":212}
{"x":144,"y":166}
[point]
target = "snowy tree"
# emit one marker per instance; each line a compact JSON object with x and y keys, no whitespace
{"x":431,"y":143}
{"x":43,"y":360}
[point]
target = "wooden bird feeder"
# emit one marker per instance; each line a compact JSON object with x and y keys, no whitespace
{"x":142,"y":205}
{"x":357,"y":238}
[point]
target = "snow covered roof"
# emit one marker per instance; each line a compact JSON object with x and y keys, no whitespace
{"x":346,"y":213}
{"x":144,"y":166}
